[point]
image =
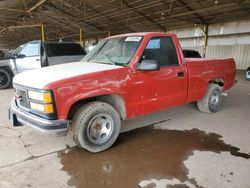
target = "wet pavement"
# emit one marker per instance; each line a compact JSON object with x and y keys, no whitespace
{"x":142,"y":154}
{"x":175,"y":148}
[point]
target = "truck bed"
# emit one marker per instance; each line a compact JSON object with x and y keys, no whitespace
{"x":202,"y":71}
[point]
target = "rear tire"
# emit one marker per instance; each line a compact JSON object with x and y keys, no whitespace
{"x":96,"y":126}
{"x":211,"y":102}
{"x":5,"y":79}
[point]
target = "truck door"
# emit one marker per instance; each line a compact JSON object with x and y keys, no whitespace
{"x":166,"y":87}
{"x":28,"y":57}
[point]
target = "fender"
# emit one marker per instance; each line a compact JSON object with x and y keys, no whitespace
{"x":71,"y":95}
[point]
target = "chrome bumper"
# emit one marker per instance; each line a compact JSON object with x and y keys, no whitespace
{"x":20,"y":117}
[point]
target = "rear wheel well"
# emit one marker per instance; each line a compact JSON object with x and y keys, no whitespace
{"x":218,"y":81}
{"x":115,"y":100}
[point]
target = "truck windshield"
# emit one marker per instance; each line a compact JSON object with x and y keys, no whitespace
{"x":116,"y":51}
{"x":17,"y":50}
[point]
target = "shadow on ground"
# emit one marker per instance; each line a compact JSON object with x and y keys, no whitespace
{"x":140,"y":155}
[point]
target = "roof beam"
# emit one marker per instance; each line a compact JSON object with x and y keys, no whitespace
{"x":144,"y":16}
{"x":24,"y":4}
{"x":12,"y":10}
{"x":202,"y":10}
{"x":239,"y":2}
{"x":38,"y":4}
{"x":190,"y":9}
{"x":112,"y":20}
{"x":72,"y":17}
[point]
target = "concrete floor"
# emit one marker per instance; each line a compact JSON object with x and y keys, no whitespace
{"x":184,"y":148}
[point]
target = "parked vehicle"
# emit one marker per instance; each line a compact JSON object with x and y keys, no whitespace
{"x":123,"y":77}
{"x":6,"y":74}
{"x":2,"y":54}
{"x":191,"y":54}
{"x":36,"y":54}
{"x":248,"y":74}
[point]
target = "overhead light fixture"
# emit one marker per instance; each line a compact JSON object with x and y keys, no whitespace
{"x":162,"y":16}
{"x":216,"y":2}
{"x":196,"y":24}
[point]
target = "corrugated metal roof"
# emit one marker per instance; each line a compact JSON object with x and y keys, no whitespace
{"x":64,"y":18}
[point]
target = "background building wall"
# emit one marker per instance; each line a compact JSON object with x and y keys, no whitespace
{"x":225,"y":40}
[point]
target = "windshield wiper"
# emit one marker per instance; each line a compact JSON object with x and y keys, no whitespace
{"x":101,"y":62}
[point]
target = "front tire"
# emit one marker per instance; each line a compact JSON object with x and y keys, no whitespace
{"x":212,"y":101}
{"x":96,"y":126}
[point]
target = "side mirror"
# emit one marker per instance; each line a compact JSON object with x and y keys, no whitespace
{"x":148,"y":65}
{"x":20,"y":55}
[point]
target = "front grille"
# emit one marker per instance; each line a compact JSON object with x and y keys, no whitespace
{"x":22,"y":100}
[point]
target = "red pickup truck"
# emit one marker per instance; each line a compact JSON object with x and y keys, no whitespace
{"x":124,"y":76}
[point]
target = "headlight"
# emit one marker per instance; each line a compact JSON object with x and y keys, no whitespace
{"x":41,"y":101}
{"x":45,"y":108}
{"x":40,"y":96}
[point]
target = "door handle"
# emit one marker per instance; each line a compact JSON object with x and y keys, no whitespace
{"x":37,"y":59}
{"x":180,"y":74}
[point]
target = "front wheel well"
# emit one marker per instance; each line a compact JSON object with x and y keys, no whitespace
{"x":8,"y":69}
{"x":113,"y":99}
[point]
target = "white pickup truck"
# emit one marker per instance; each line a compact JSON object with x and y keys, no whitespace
{"x":37,"y":54}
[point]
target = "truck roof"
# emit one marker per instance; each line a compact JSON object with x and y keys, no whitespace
{"x":142,"y":34}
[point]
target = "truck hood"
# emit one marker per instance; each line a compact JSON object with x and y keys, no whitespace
{"x":39,"y":78}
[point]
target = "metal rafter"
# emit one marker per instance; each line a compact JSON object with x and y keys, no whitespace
{"x":72,"y":17}
{"x":24,"y":4}
{"x":109,"y":19}
{"x":190,"y":9}
{"x":144,"y":16}
{"x":65,"y":17}
{"x":38,"y":4}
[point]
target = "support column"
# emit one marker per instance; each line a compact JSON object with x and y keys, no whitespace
{"x":205,"y":36}
{"x":42,"y":33}
{"x":81,"y":37}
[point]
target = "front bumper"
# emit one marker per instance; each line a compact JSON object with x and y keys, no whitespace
{"x":20,"y":117}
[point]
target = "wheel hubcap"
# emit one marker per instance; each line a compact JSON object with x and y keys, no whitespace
{"x":215,"y":99}
{"x":100,"y":128}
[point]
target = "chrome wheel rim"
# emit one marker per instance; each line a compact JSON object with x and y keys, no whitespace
{"x":100,"y":128}
{"x":214,"y":99}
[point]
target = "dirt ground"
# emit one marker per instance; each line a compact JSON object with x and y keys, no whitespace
{"x":175,"y":148}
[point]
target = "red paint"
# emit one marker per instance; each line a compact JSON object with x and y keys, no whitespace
{"x":146,"y":92}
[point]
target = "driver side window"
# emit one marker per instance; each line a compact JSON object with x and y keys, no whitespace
{"x":162,"y":50}
{"x":30,"y":49}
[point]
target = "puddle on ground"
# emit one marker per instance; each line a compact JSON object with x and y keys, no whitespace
{"x":139,"y":155}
